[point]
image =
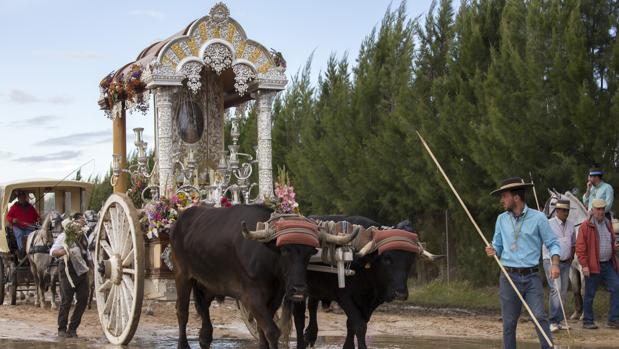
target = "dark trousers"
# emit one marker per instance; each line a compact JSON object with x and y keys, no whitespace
{"x":532,"y":290}
{"x":66,"y":293}
{"x":610,"y":276}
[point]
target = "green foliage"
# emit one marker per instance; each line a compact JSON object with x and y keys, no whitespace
{"x":103,"y":188}
{"x":497,"y":88}
{"x":464,"y":295}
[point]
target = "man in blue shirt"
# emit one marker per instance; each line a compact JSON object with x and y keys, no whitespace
{"x":598,"y":189}
{"x":519,"y":235}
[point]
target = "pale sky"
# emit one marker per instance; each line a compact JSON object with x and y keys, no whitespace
{"x":54,"y":53}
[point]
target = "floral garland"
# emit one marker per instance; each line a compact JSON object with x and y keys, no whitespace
{"x":72,"y":232}
{"x":160,"y":214}
{"x":285,"y":197}
{"x":130,"y":90}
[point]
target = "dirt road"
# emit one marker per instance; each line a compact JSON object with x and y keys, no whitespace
{"x":25,"y":322}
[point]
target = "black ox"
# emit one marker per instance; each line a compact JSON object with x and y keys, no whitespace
{"x":378,"y":278}
{"x":212,"y":256}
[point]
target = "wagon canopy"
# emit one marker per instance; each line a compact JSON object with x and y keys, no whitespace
{"x":77,"y":199}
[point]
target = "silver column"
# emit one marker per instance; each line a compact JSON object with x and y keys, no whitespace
{"x":264,"y":98}
{"x":164,"y":142}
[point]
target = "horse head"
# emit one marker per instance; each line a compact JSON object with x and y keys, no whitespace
{"x":578,"y":212}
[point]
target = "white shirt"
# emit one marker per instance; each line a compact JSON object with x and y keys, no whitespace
{"x":566,"y":234}
{"x":58,"y":244}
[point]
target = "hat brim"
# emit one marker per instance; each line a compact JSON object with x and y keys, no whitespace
{"x":510,"y":187}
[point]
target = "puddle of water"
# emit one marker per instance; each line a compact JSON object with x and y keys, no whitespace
{"x":378,"y":342}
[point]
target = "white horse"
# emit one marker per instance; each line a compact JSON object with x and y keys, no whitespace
{"x":37,"y":249}
{"x":578,"y":213}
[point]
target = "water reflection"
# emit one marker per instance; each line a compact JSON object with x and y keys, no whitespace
{"x":382,"y":342}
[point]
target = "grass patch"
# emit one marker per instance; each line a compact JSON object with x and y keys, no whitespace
{"x":461,"y":294}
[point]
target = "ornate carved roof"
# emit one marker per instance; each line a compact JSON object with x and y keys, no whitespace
{"x":215,"y":41}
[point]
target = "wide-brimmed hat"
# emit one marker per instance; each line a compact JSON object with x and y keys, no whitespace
{"x":562,"y":203}
{"x":598,"y":203}
{"x":513,"y":183}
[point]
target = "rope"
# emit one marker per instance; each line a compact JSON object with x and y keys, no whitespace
{"x":66,"y":263}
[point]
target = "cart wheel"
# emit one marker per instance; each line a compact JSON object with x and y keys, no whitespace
{"x":119,"y":269}
{"x":12,"y":269}
{"x":252,"y":324}
{"x":2,"y":281}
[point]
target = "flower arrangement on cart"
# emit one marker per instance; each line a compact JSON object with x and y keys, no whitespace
{"x":160,"y":214}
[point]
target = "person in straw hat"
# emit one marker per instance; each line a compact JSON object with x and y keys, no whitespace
{"x":594,"y":247}
{"x":565,"y":233}
{"x":519,"y":234}
{"x":71,"y":247}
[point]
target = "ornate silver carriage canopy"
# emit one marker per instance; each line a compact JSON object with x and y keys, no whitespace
{"x":195,"y":75}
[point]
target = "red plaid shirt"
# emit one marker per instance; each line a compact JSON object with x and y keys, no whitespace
{"x":26,"y":215}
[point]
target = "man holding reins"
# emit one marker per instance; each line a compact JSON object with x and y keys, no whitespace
{"x":22,"y":217}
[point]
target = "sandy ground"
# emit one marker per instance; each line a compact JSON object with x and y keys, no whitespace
{"x":158,"y":320}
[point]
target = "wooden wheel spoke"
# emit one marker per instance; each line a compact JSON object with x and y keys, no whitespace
{"x":128,"y":259}
{"x":105,"y":286}
{"x":129,"y":271}
{"x":118,"y":325}
{"x":128,"y":283}
{"x":109,"y":301}
{"x":115,"y":227}
{"x":107,"y":248}
{"x":113,"y":325}
{"x":109,"y":232}
{"x":126,"y":304}
{"x":127,"y":245}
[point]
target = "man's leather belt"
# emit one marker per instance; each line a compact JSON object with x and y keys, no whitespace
{"x":522,"y":271}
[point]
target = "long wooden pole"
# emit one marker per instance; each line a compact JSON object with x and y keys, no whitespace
{"x":511,"y":282}
{"x":567,"y":325}
{"x":534,"y":192}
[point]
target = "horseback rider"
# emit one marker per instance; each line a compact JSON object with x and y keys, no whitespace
{"x":22,"y":216}
{"x":73,"y":273}
{"x":598,"y":189}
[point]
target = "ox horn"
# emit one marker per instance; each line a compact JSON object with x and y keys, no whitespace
{"x":430,"y":256}
{"x":338,"y":239}
{"x":255,"y":235}
{"x":369,"y":247}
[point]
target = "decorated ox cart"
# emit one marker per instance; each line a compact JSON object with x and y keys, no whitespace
{"x":192,"y":78}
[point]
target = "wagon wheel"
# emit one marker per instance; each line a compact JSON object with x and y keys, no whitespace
{"x":119,"y":269}
{"x":12,"y":277}
{"x":2,"y":280}
{"x":252,"y":324}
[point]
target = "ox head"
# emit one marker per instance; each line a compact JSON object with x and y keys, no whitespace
{"x":390,"y":255}
{"x":295,"y":240}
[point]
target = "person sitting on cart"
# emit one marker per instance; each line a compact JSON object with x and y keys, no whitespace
{"x":22,"y":216}
{"x":72,"y":247}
